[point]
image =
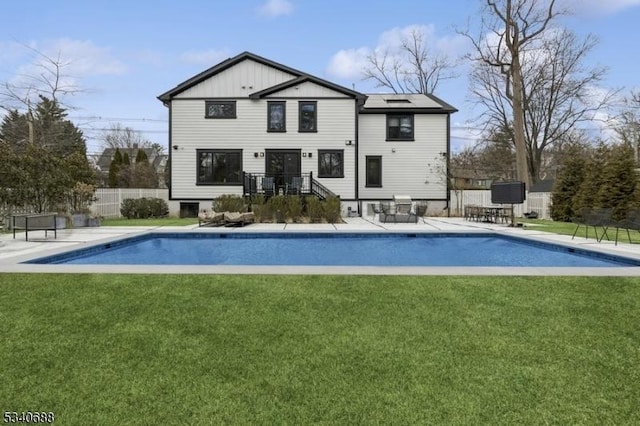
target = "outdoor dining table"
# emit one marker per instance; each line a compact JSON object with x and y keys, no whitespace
{"x":490,"y":214}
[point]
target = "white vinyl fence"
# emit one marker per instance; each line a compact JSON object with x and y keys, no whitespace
{"x":109,"y":200}
{"x":538,"y":202}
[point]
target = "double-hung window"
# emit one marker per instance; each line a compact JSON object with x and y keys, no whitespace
{"x":219,"y":166}
{"x":331,"y":163}
{"x":307,"y":116}
{"x":220,"y":109}
{"x":400,"y":127}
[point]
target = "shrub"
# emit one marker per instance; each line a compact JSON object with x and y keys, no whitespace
{"x":229,"y":203}
{"x":142,"y":208}
{"x":293,"y":208}
{"x":315,"y":208}
{"x":261,"y":209}
{"x":278,"y":207}
{"x":332,"y":210}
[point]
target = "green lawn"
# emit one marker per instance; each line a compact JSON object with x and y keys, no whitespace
{"x":196,"y":349}
{"x":568,"y":228}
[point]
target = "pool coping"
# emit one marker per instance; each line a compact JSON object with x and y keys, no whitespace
{"x":435,"y":225}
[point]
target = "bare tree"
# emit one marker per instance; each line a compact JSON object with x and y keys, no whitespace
{"x":515,"y":24}
{"x":628,"y":123}
{"x":46,"y":78}
{"x":415,"y":68}
{"x":125,"y":137}
{"x":530,"y":79}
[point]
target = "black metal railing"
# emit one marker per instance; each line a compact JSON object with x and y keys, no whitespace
{"x":283,"y":184}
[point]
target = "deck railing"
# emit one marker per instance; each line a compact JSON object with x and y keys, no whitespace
{"x":283,"y":184}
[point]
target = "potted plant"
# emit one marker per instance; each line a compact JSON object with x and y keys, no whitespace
{"x":82,"y":195}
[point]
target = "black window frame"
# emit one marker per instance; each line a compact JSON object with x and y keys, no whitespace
{"x":211,"y":102}
{"x":213,"y":152}
{"x":367,"y":177}
{"x":284,"y":116}
{"x":321,"y":152}
{"x":301,"y":104}
{"x":400,"y":116}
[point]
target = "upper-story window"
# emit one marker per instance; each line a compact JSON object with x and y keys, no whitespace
{"x":400,"y":127}
{"x":308,"y":116}
{"x":220,"y":109}
{"x":276,"y":117}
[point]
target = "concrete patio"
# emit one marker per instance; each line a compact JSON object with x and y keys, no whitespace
{"x":14,"y":251}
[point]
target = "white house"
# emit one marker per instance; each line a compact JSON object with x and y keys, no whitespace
{"x":250,"y":125}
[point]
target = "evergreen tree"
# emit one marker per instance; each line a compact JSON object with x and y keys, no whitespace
{"x":114,"y":169}
{"x":42,"y":166}
{"x":618,"y":189}
{"x":141,"y":157}
{"x":125,"y":159}
{"x":587,"y":196}
{"x":566,"y":187}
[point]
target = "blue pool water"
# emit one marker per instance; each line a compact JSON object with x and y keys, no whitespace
{"x":335,"y":249}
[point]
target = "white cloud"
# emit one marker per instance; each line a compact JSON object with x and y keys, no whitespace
{"x":596,"y":8}
{"x":208,"y":57}
{"x":275,"y":8}
{"x":83,"y":57}
{"x":348,"y":63}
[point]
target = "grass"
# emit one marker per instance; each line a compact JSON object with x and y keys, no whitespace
{"x":568,"y":228}
{"x":195,"y":349}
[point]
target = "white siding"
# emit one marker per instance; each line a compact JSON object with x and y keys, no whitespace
{"x":415,"y":168}
{"x":240,"y":80}
{"x":191,"y":131}
{"x":308,"y":90}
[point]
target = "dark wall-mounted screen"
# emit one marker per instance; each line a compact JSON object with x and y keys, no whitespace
{"x":508,"y":193}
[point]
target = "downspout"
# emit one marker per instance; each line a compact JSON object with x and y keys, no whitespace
{"x":357,"y":142}
{"x":448,"y":164}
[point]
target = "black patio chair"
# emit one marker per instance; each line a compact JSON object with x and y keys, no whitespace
{"x":294,"y":187}
{"x":268,"y":185}
{"x":593,"y":217}
{"x":630,"y":222}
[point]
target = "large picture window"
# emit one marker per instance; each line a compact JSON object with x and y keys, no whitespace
{"x":331,"y":163}
{"x":308,"y":116}
{"x":373,"y":171}
{"x":400,"y":127}
{"x":220,"y":109}
{"x":219,"y":167}
{"x":276,"y":116}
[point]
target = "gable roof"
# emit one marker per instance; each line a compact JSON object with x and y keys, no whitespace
{"x":299,"y":78}
{"x":407,"y":102}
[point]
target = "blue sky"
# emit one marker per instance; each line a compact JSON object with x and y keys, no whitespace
{"x":126,"y":53}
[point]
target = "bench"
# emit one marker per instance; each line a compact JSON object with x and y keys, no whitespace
{"x":35,"y":222}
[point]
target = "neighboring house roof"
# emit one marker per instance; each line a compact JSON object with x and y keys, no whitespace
{"x":104,"y":159}
{"x":300,"y":77}
{"x":409,"y":102}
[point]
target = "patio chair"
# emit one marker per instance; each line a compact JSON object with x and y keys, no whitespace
{"x":388,"y":210}
{"x":294,"y":187}
{"x":210,"y":218}
{"x":268,"y":185}
{"x":593,"y":217}
{"x":630,"y":222}
{"x":238,"y":219}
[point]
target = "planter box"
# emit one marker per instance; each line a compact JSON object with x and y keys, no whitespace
{"x":61,"y":222}
{"x":93,"y":222}
{"x":79,"y":220}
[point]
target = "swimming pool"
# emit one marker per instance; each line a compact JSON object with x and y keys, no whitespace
{"x":335,"y":249}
